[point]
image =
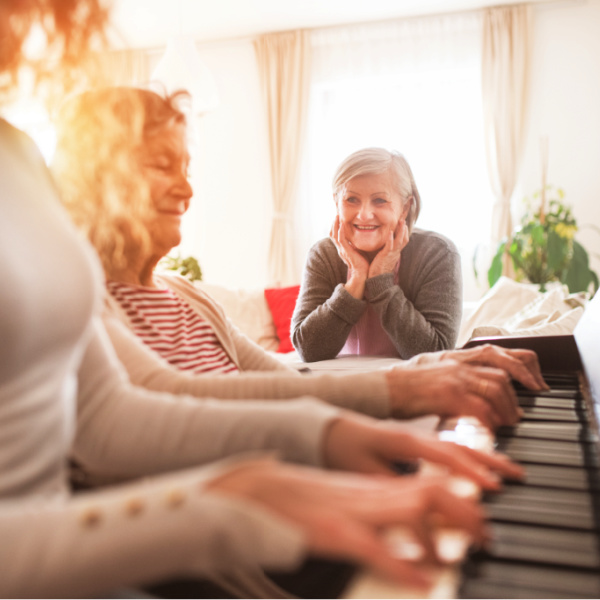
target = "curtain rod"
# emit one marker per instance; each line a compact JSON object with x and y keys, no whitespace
{"x":542,"y":4}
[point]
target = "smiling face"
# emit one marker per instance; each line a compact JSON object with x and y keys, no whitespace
{"x":165,"y":162}
{"x":369,"y":208}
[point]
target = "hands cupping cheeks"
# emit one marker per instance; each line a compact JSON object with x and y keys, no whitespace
{"x":359,"y":268}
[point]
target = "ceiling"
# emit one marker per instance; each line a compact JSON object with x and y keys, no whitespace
{"x":148,"y":23}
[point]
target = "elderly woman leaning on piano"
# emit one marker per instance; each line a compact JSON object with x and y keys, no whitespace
{"x":376,"y":285}
{"x":139,"y":299}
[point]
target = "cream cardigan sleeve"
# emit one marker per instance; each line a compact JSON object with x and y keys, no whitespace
{"x":363,"y":392}
{"x":137,"y":534}
{"x":125,"y":431}
{"x":247,"y":355}
{"x":166,"y":526}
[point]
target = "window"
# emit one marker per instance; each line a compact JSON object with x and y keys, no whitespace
{"x":426,"y":104}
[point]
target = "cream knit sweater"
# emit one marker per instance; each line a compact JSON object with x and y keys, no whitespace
{"x":64,"y":393}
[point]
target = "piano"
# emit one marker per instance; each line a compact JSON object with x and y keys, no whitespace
{"x":546,"y":530}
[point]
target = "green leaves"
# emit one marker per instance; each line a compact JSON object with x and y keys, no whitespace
{"x":579,"y":276}
{"x":187,"y":267}
{"x":495,"y":270}
{"x":543,"y":248}
{"x":559,"y":250}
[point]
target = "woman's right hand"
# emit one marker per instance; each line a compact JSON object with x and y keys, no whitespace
{"x":346,"y":516}
{"x":358,"y":266}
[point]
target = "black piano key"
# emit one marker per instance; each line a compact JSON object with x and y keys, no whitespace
{"x":568,"y":432}
{"x":512,"y":579}
{"x":516,"y":493}
{"x":551,"y":393}
{"x":555,"y":381}
{"x":566,"y":382}
{"x":541,"y":402}
{"x":551,"y":512}
{"x":554,"y":476}
{"x":560,"y":547}
{"x":548,"y":517}
{"x":481,"y":588}
{"x":536,"y":413}
{"x":542,"y":451}
{"x":550,"y":446}
{"x":571,"y":384}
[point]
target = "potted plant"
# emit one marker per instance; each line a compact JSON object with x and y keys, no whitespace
{"x":544,"y":248}
{"x":187,"y":267}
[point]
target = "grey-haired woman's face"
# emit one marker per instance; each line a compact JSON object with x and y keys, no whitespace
{"x":369,"y":209}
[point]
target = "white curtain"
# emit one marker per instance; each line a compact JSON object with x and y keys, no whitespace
{"x":506,"y":60}
{"x":412,"y":85}
{"x":284,"y":64}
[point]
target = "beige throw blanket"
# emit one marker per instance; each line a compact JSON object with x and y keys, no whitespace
{"x":520,"y":309}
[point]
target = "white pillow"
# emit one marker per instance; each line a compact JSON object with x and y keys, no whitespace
{"x":248,"y":310}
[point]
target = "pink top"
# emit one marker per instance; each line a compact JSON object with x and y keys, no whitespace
{"x":368,"y":337}
{"x":169,"y":325}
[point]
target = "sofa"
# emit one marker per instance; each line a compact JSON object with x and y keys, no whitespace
{"x":509,"y":308}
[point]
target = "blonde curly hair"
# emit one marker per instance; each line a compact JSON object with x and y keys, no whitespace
{"x":101,"y":136}
{"x":70,"y":28}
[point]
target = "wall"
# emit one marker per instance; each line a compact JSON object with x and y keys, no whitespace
{"x":566,"y":107}
{"x":228,"y":227}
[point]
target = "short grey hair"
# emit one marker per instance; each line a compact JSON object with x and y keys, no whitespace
{"x":373,"y":161}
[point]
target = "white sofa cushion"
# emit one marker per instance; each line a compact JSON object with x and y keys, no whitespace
{"x":509,"y":308}
{"x":248,"y":310}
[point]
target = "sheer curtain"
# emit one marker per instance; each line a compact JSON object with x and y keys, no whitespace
{"x":412,"y":85}
{"x":505,"y":90}
{"x":284,"y":64}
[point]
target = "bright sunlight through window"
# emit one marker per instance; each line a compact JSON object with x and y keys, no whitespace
{"x":434,"y":118}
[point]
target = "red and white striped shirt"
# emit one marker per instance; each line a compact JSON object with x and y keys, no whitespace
{"x":168,"y":324}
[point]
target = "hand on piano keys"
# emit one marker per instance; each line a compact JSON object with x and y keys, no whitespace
{"x":452,"y":544}
{"x":545,"y":531}
{"x":355,"y":443}
{"x":474,"y":382}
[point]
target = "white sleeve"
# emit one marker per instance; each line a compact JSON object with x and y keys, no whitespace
{"x":363,"y":392}
{"x":125,"y":431}
{"x":137,"y":534}
{"x":254,"y":358}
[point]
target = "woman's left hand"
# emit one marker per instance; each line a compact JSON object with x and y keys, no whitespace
{"x":357,"y":443}
{"x":521,"y":364}
{"x":388,"y":257}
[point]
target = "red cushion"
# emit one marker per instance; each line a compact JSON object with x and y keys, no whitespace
{"x":281,"y":303}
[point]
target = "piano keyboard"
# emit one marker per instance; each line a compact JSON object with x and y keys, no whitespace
{"x":546,"y":531}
